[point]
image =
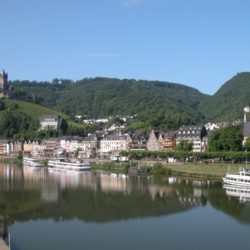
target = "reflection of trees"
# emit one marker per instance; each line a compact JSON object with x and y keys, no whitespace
{"x":229,"y":205}
{"x":85,"y":204}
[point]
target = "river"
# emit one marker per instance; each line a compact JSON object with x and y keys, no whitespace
{"x":43,"y":210}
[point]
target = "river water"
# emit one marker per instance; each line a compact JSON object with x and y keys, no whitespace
{"x":49,"y":210}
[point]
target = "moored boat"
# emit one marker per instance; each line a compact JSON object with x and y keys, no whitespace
{"x":31,"y":162}
{"x":242,"y":179}
{"x":63,"y":164}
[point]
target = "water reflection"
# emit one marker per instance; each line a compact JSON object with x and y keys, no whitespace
{"x":31,"y":193}
{"x":243,"y":194}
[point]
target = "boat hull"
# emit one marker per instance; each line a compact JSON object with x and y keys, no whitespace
{"x":31,"y":162}
{"x":67,"y":166}
{"x":237,"y":180}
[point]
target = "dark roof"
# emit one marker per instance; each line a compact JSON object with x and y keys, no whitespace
{"x":44,"y":117}
{"x":246,"y":129}
{"x":189,"y":131}
{"x":139,"y":135}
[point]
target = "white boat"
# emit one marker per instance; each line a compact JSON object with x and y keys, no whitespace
{"x":242,"y":179}
{"x":63,"y":164}
{"x":31,"y":162}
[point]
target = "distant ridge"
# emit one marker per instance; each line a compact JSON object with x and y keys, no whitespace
{"x":159,"y":105}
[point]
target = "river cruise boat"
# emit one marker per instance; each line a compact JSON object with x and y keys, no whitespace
{"x":31,"y":162}
{"x":242,"y":179}
{"x":63,"y":164}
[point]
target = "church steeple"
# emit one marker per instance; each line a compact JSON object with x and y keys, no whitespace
{"x":246,"y":110}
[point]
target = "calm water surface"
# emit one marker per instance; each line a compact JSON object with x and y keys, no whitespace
{"x":44,"y":210}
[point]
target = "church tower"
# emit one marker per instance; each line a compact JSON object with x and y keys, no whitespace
{"x":3,"y":83}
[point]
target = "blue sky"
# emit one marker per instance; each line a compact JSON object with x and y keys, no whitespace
{"x":199,"y":43}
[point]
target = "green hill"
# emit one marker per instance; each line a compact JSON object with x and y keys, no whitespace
{"x":20,"y":119}
{"x":157,"y":104}
{"x":228,"y":102}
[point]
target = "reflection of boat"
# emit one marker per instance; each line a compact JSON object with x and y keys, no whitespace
{"x":242,"y":179}
{"x":31,"y":162}
{"x":242,"y":193}
{"x":63,"y":164}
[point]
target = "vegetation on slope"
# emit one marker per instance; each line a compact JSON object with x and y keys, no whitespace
{"x":228,"y":102}
{"x":19,"y":119}
{"x":159,"y":105}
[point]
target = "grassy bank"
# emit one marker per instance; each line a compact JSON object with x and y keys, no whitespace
{"x":10,"y":160}
{"x":213,"y":170}
{"x":201,"y":170}
{"x":110,"y":167}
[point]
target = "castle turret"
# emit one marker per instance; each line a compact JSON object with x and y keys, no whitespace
{"x":3,"y":83}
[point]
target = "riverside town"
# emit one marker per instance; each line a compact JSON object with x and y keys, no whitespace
{"x":57,"y":163}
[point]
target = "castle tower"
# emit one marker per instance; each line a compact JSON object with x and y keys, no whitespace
{"x":3,"y":83}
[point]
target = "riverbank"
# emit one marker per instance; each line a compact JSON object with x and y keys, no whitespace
{"x":199,"y":170}
{"x":208,"y":171}
{"x":10,"y":160}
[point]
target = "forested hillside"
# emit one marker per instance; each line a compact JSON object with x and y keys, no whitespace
{"x":228,"y":102}
{"x":19,"y":119}
{"x":157,"y":104}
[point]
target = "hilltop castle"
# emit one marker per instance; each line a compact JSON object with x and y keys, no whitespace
{"x":3,"y":83}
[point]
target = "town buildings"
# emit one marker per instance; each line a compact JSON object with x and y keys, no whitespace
{"x":105,"y":146}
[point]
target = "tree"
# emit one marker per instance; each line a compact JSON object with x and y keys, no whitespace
{"x":247,"y":144}
{"x":226,"y":139}
{"x":184,"y":145}
{"x":2,"y":105}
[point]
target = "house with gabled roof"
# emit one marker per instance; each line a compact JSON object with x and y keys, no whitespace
{"x":167,"y":141}
{"x":138,"y":141}
{"x":153,"y":143}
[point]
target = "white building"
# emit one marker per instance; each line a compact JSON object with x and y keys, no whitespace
{"x":194,"y":134}
{"x":49,"y":122}
{"x":112,"y":145}
{"x":70,"y":144}
{"x":5,"y":147}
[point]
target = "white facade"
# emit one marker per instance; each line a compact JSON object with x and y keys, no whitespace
{"x":5,"y":147}
{"x":49,"y":122}
{"x":192,"y":134}
{"x":69,"y":145}
{"x":112,"y":145}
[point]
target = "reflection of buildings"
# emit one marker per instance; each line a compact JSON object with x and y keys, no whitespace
{"x":114,"y":183}
{"x":195,"y":196}
{"x":243,"y":194}
{"x":9,"y":175}
{"x":73,"y":180}
{"x":161,"y":191}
